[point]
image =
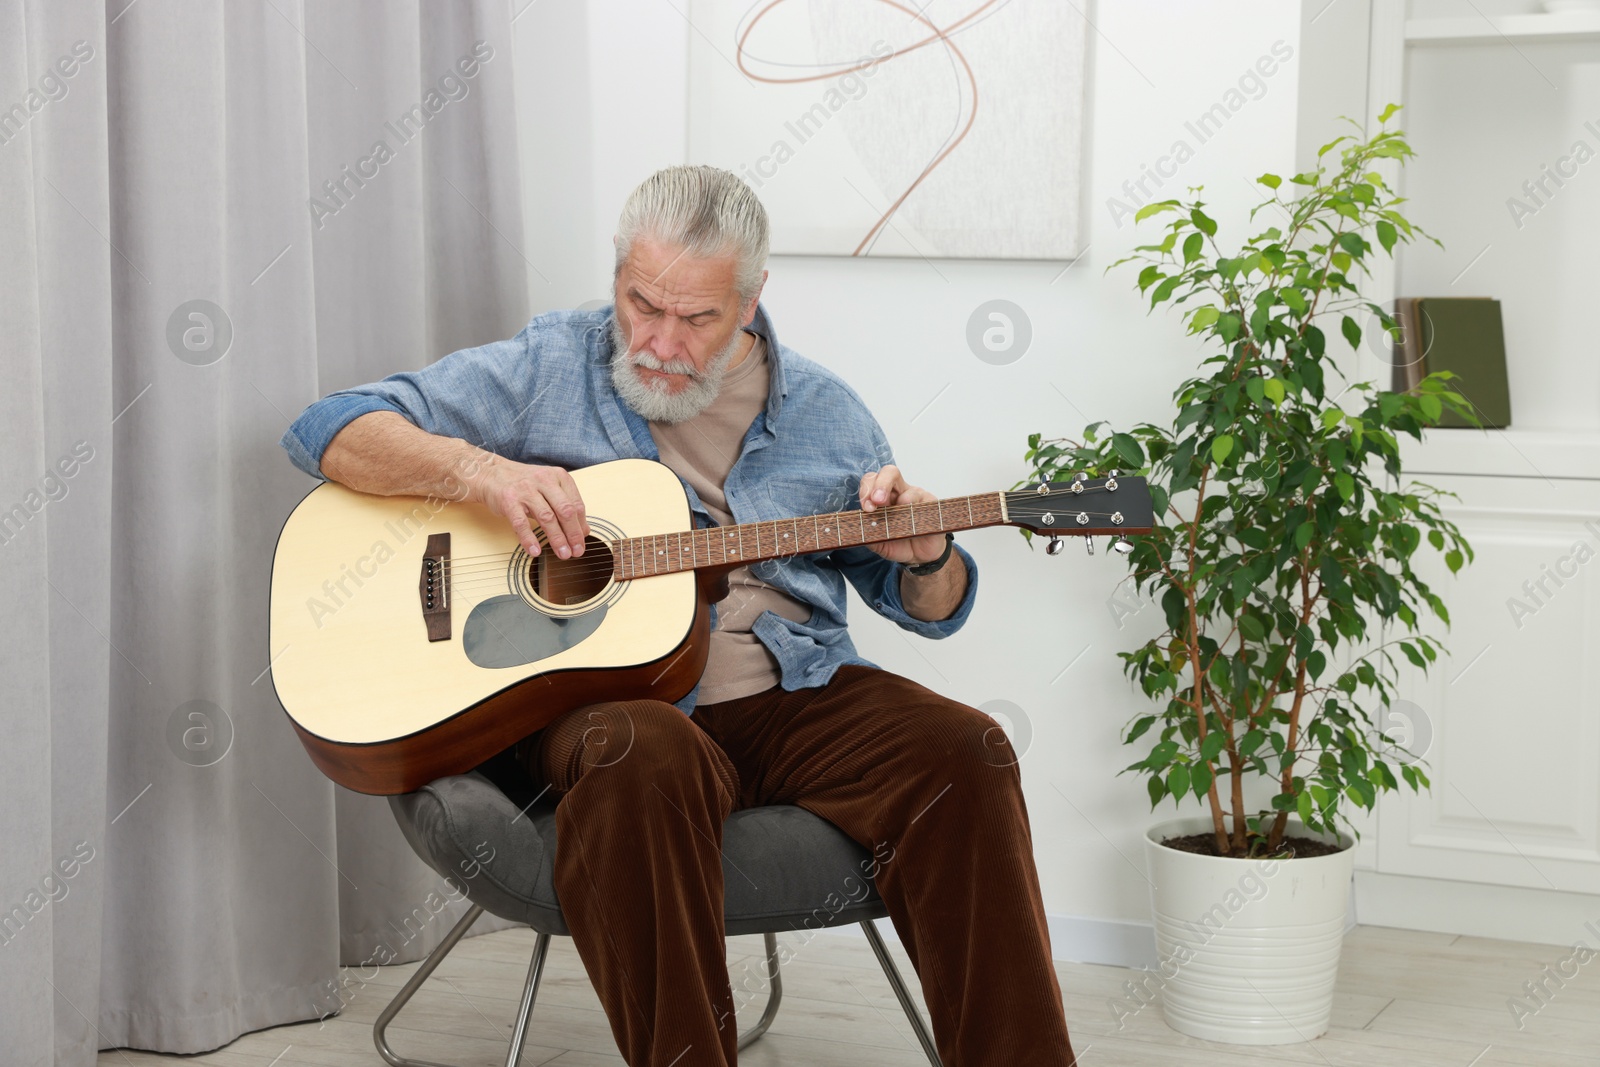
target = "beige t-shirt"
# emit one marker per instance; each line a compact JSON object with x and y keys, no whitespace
{"x":702,"y":451}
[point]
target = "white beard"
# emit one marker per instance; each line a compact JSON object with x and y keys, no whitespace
{"x":651,"y":400}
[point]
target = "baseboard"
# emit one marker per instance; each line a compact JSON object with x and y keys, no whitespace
{"x":1081,"y":939}
{"x":1542,"y":916}
{"x":1073,"y":939}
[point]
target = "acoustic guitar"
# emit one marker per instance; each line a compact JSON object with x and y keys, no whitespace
{"x":415,"y":637}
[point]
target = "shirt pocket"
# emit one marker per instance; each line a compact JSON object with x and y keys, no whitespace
{"x":800,"y":496}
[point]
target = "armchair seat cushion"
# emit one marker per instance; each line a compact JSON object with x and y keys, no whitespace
{"x":783,"y":867}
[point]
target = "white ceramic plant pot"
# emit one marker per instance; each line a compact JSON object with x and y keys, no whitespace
{"x":1249,"y":949}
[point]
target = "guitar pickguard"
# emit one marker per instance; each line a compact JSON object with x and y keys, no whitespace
{"x":507,"y":631}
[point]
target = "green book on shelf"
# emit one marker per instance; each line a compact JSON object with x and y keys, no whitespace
{"x":1463,"y":335}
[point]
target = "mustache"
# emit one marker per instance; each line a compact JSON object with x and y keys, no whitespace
{"x":670,"y":366}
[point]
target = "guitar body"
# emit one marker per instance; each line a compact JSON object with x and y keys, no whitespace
{"x":388,"y":693}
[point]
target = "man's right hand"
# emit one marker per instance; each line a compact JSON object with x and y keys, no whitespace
{"x":530,"y":497}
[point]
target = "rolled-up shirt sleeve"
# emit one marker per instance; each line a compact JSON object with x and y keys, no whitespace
{"x":476,"y":394}
{"x":878,"y":581}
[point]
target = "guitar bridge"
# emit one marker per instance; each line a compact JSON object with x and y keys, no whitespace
{"x":433,"y":587}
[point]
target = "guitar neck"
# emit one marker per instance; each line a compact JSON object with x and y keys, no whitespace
{"x":752,"y":542}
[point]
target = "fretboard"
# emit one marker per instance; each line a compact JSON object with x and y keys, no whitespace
{"x":751,"y":542}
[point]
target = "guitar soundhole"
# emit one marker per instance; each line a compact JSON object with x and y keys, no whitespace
{"x":573,"y":582}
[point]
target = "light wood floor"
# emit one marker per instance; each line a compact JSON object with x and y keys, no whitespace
{"x":1405,"y":998}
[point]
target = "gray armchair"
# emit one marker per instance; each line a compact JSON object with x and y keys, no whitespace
{"x":785,"y":870}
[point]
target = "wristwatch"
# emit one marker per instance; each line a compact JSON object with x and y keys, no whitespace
{"x":922,"y":569}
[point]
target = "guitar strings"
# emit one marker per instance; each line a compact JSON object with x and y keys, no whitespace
{"x":497,"y":557}
{"x":888,"y":511}
{"x":494,"y":568}
{"x":497,"y":560}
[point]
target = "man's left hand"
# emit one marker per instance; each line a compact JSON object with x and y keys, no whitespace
{"x":885,"y":488}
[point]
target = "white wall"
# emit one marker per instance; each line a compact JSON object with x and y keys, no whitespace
{"x":599,"y":117}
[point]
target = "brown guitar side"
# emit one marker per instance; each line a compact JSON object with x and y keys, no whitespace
{"x":462,"y":742}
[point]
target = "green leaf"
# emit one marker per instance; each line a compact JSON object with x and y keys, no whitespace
{"x":1228,"y":325}
{"x":1303,"y":804}
{"x":1193,"y":245}
{"x":1271,"y":181}
{"x":1139,"y":728}
{"x":1250,"y":626}
{"x":1386,"y":235}
{"x":1345,"y":484}
{"x":1273,"y":387}
{"x":1157,"y":788}
{"x":1203,"y":222}
{"x":1200,"y":780}
{"x":1316,"y":663}
{"x":1387,"y":113}
{"x":1351,"y":331}
{"x":1203,"y":317}
{"x":1303,"y":534}
{"x":1154,"y":209}
{"x":1178,"y":781}
{"x":1221,"y":446}
{"x":1453,"y":560}
{"x":1214,"y":743}
{"x":1128,"y":449}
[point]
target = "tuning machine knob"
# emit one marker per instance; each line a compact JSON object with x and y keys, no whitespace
{"x":1054,"y":547}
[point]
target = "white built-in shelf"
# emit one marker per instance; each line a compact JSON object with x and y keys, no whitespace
{"x":1476,"y":29}
{"x":1510,"y":453}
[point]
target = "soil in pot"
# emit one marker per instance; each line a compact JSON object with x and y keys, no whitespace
{"x":1294,"y":847}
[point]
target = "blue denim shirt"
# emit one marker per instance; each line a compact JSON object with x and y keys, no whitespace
{"x":545,"y":397}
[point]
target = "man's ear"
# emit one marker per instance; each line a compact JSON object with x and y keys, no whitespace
{"x":750,"y":308}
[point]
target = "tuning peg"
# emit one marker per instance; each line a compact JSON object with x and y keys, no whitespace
{"x":1054,"y":547}
{"x":1121,"y":545}
{"x":1088,"y":543}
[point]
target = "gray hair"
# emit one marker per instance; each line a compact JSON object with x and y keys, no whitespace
{"x":706,"y":211}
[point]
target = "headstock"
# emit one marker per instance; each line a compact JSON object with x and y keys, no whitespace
{"x":1111,"y":505}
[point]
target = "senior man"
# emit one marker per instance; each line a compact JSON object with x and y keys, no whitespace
{"x":684,"y":368}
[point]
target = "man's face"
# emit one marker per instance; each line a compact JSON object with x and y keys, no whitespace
{"x":677,"y":328}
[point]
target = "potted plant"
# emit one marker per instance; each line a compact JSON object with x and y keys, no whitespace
{"x":1283,"y":564}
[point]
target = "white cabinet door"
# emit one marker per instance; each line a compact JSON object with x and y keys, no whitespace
{"x":1513,"y":713}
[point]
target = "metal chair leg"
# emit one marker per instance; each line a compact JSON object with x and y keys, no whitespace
{"x":530,"y":990}
{"x":436,"y":957}
{"x":776,"y":994}
{"x":907,"y":1005}
{"x":401,"y":998}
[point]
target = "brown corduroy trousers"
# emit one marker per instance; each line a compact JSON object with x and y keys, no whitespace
{"x":930,"y":785}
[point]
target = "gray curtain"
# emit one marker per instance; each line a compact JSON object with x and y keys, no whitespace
{"x":178,"y":283}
